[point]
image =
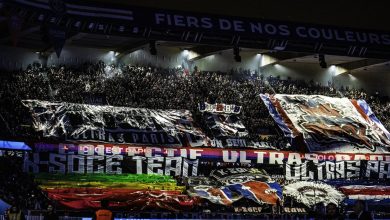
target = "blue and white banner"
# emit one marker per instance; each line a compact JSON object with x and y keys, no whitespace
{"x":288,"y":133}
{"x":258,"y":191}
{"x":226,"y":186}
{"x":367,"y":110}
{"x":328,"y":124}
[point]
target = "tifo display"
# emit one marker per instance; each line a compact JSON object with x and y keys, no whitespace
{"x":321,"y":123}
{"x":119,"y":110}
{"x":206,"y":156}
{"x":326,"y":123}
{"x":129,"y":156}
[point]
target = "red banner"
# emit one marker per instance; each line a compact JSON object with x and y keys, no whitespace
{"x":76,"y":198}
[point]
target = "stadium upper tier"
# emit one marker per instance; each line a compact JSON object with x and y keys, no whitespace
{"x":165,"y":89}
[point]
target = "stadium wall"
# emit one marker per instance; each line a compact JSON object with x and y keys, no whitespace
{"x":12,"y":58}
{"x":167,"y":57}
{"x":224,"y":61}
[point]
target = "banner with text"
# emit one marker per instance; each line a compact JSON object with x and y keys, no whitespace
{"x":118,"y":159}
{"x":224,"y":124}
{"x":140,"y":126}
{"x":130,"y":19}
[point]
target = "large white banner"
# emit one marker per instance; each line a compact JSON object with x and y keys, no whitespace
{"x":140,"y":126}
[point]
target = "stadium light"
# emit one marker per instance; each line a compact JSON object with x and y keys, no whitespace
{"x":337,"y":70}
{"x":185,"y":52}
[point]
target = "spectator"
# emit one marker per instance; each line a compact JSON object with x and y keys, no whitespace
{"x":50,"y":214}
{"x":18,"y":188}
{"x":104,"y":213}
{"x":333,"y":212}
{"x":360,"y":212}
{"x":15,"y":213}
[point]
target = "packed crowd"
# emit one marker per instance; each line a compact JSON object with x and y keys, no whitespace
{"x":147,"y":87}
{"x":133,"y":86}
{"x":144,"y":87}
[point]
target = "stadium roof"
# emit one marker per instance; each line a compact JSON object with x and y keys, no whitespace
{"x":357,"y":14}
{"x":348,"y":13}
